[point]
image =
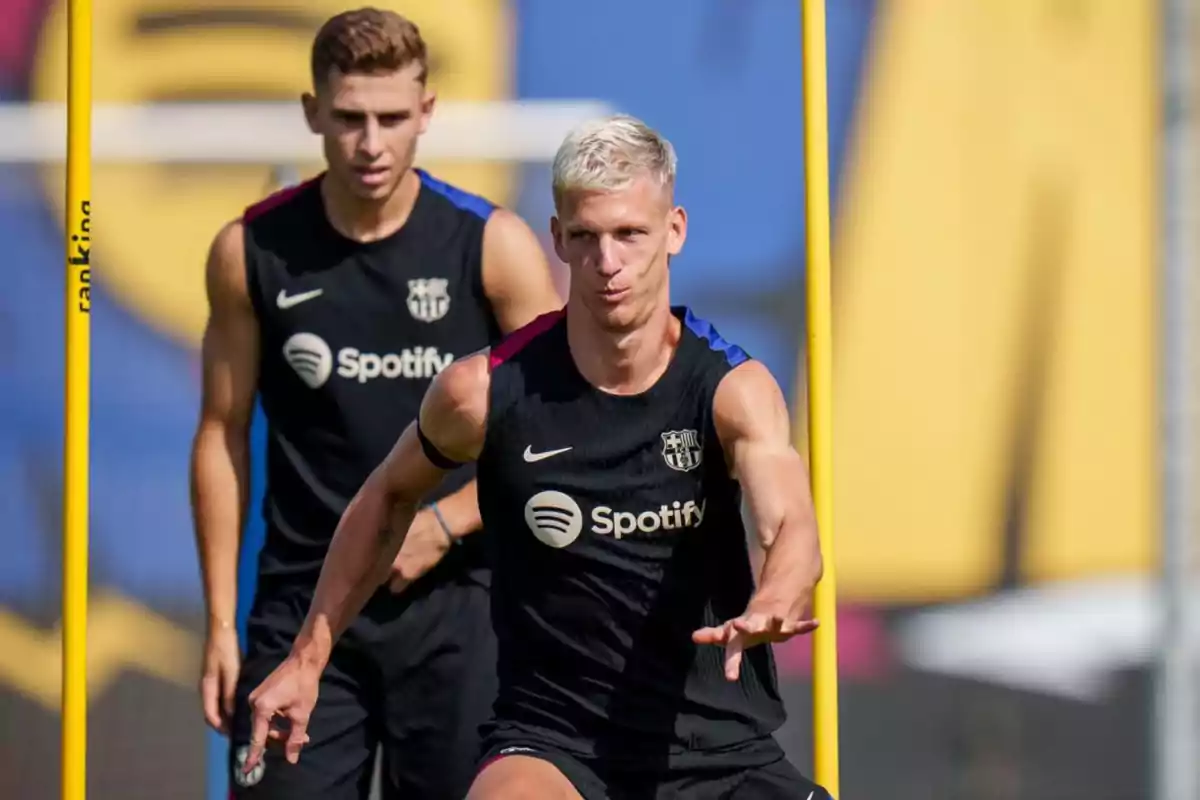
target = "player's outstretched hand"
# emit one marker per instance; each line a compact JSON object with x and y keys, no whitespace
{"x":748,"y":630}
{"x":289,"y":692}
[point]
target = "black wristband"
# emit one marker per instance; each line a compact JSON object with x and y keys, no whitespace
{"x":434,"y":455}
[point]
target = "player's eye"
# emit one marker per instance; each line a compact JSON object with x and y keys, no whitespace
{"x":393,"y":119}
{"x":349,"y":118}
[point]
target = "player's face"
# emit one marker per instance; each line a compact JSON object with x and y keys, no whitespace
{"x":370,"y":124}
{"x":617,"y":245}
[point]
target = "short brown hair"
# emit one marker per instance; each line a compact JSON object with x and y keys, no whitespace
{"x":367,"y":40}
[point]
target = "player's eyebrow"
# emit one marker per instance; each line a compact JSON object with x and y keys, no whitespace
{"x":151,"y":22}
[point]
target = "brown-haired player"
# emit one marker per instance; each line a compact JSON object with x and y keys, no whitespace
{"x":335,"y":303}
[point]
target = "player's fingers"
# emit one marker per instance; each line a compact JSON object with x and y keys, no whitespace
{"x":260,"y":728}
{"x":228,"y":690}
{"x":783,"y":627}
{"x":753,"y":624}
{"x":773,"y":628}
{"x":789,"y":629}
{"x":714,"y":635}
{"x":805,"y":626}
{"x":733,"y":657}
{"x":297,"y":738}
{"x":208,"y":697}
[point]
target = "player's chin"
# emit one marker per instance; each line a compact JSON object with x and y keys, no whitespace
{"x":615,"y":312}
{"x":616,"y":317}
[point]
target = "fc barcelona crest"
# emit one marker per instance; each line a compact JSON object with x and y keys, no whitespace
{"x":428,"y":298}
{"x":681,"y":450}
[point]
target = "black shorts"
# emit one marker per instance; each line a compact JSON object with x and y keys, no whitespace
{"x":419,"y":682}
{"x":595,"y":779}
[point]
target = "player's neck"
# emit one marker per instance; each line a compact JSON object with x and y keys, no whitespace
{"x":369,"y":220}
{"x":623,"y":362}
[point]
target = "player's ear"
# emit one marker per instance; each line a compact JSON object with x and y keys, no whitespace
{"x":676,"y":230}
{"x":428,"y":101}
{"x":309,"y":102}
{"x":556,"y":235}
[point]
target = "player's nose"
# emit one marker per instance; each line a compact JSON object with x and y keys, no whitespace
{"x":370,"y":145}
{"x":607,"y":262}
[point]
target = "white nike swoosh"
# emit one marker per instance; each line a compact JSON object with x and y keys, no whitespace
{"x":284,"y":301}
{"x":531,"y":456}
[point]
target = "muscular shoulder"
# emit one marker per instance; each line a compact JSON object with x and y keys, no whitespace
{"x":454,"y":412}
{"x":225,"y":272}
{"x":506,"y":228}
{"x":511,"y":253}
{"x":749,"y":406}
{"x":516,"y":274}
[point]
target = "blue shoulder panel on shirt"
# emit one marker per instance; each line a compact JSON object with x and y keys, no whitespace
{"x":479,"y":206}
{"x":734,"y":355}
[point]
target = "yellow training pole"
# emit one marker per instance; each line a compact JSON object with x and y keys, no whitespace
{"x":78,"y":397}
{"x":820,"y":389}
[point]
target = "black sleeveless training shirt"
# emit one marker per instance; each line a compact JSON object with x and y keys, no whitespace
{"x":618,"y":532}
{"x":351,"y":335}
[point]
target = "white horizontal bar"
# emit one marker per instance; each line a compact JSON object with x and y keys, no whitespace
{"x":274,"y":132}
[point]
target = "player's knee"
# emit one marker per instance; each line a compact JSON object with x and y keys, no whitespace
{"x":521,"y":778}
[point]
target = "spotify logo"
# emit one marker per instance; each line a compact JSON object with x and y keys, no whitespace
{"x":554,"y":518}
{"x":310,"y":357}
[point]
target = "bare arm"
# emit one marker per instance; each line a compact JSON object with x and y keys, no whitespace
{"x":220,"y":458}
{"x":516,"y":274}
{"x":371,"y":531}
{"x":752,"y":423}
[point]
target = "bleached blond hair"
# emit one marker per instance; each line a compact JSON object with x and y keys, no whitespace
{"x":609,"y":153}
